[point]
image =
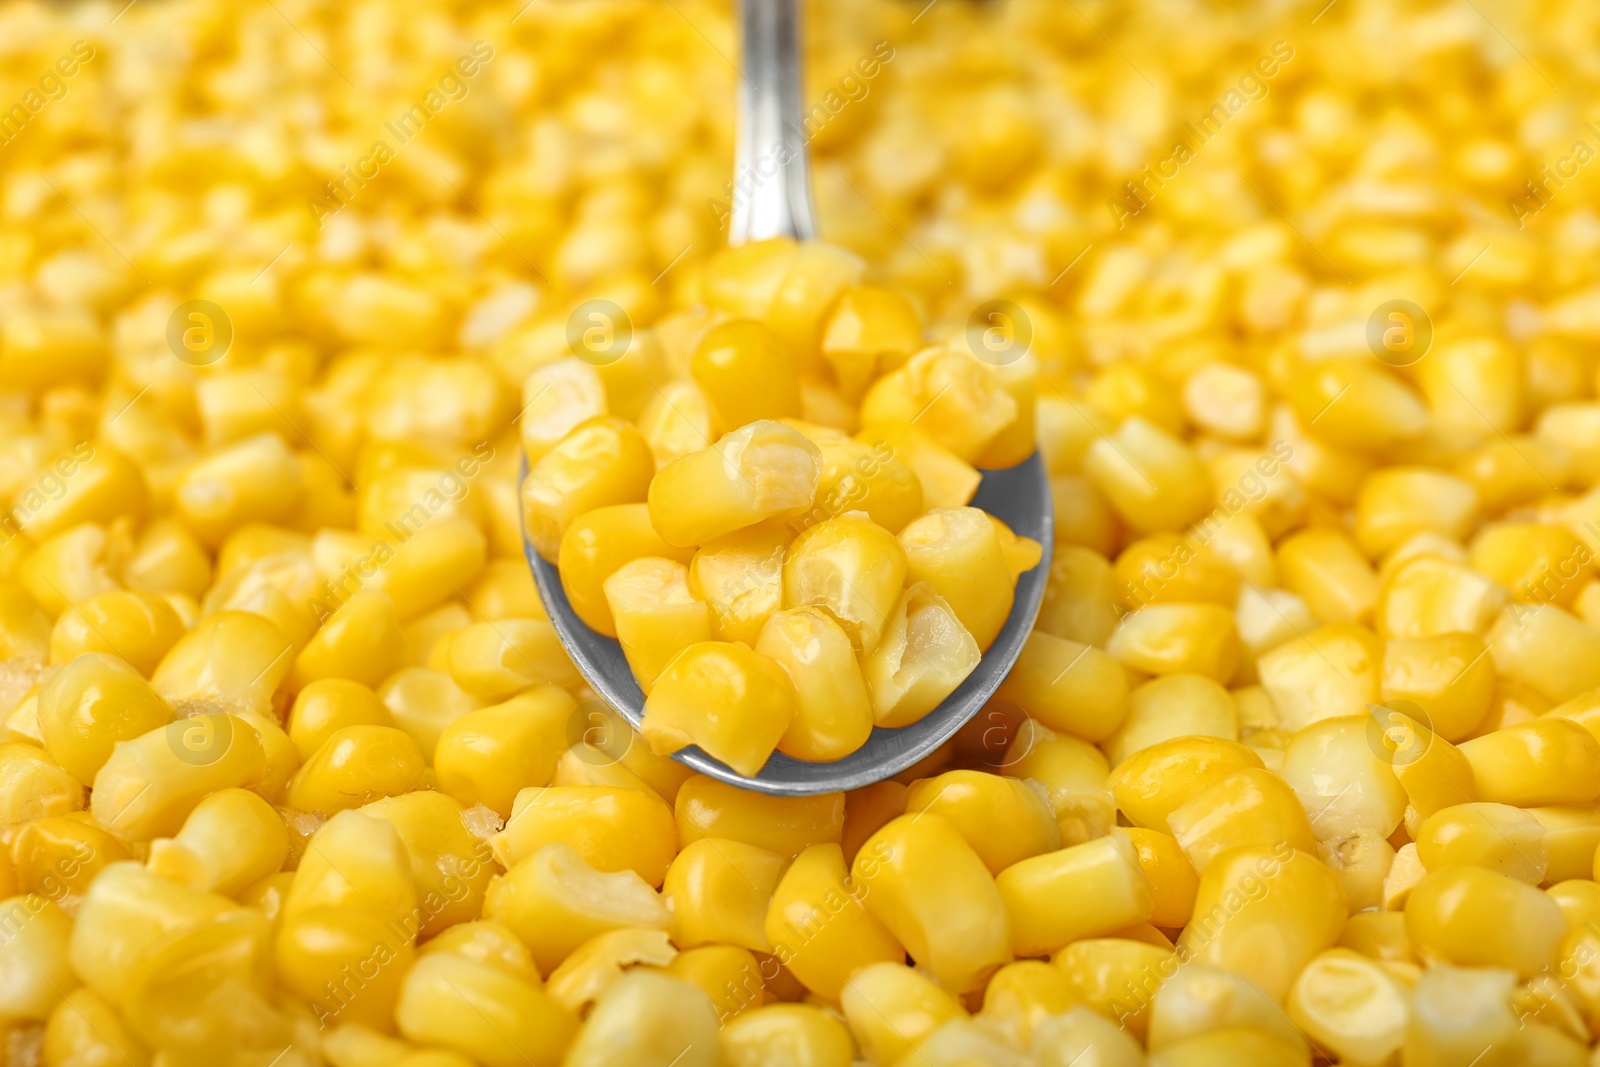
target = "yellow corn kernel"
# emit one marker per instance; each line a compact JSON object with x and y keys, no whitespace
{"x":1168,"y":873}
{"x":1379,"y":935}
{"x":1458,"y":1013}
{"x":833,"y":715}
{"x":602,"y":462}
{"x":325,"y":707}
{"x":1362,"y":860}
{"x":595,"y":544}
{"x":1153,"y":480}
{"x":1167,"y":567}
{"x":356,"y":862}
{"x":728,"y":974}
{"x":584,"y":976}
{"x":1546,"y":649}
{"x":555,"y":901}
{"x":1068,"y":686}
{"x":612,"y":829}
{"x":422,"y":702}
{"x":1535,"y":562}
{"x":1547,"y":761}
{"x":954,"y":399}
{"x":141,"y":626}
{"x":1498,"y":837}
{"x":556,"y":398}
{"x":126,"y":912}
{"x":230,"y":840}
{"x":1396,"y":503}
{"x":1079,"y":600}
{"x":928,"y":887}
{"x":746,"y":374}
{"x":1335,"y":670}
{"x":1178,"y":639}
{"x":719,"y":891}
{"x":1233,"y":1045}
{"x":1116,"y":977}
{"x":1571,"y":836}
{"x":151,"y":783}
{"x":740,"y":577}
{"x":403,"y":497}
{"x":24,"y":628}
{"x":947,"y":480}
{"x":231,"y":661}
{"x":1514,"y":470}
{"x":1354,"y":404}
{"x":360,"y":641}
{"x":34,"y":957}
{"x":891,"y":1008}
{"x":98,"y":487}
{"x":731,"y":701}
{"x":1250,"y":891}
{"x":817,"y":926}
{"x":91,"y":704}
{"x":676,"y":421}
{"x":787,"y":826}
{"x":1154,"y":782}
{"x":763,"y":470}
{"x":482,"y":1012}
{"x":1328,"y":571}
{"x":1449,"y":677}
{"x":1075,"y":773}
{"x":1022,"y":995}
{"x":84,"y":1029}
{"x":869,"y":332}
{"x":1005,"y":820}
{"x":179,"y":997}
{"x":645,"y":1018}
{"x":655,"y":615}
{"x":40,"y":348}
{"x":786,"y":1035}
{"x":1085,"y":890}
{"x":58,"y":857}
{"x":1125,"y":389}
{"x":493,"y":660}
{"x":1341,"y":781}
{"x":506,"y":590}
{"x":924,"y":654}
{"x":1428,"y":595}
{"x":1175,"y":705}
{"x":1250,"y":807}
{"x":32,"y":786}
{"x":486,"y":756}
{"x":355,"y":765}
{"x":439,"y":560}
{"x":70,"y":567}
{"x":1084,"y":1036}
{"x":958,"y":552}
{"x":257,"y":479}
{"x":1474,"y":917}
{"x":1196,"y":1000}
{"x":853,"y":569}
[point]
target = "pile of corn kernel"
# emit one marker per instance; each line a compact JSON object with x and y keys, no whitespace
{"x":1298,"y":766}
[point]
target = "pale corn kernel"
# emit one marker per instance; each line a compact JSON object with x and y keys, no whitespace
{"x":817,"y":924}
{"x":1378,"y":935}
{"x":1005,"y":820}
{"x":869,"y":332}
{"x":924,"y":655}
{"x":231,"y":661}
{"x":556,"y":398}
{"x":1450,"y":677}
{"x":947,"y":480}
{"x":891,"y":1008}
{"x":1335,"y":670}
{"x":1084,"y":1036}
{"x":91,"y":704}
{"x":230,"y":840}
{"x":1225,"y":400}
{"x":68,"y":568}
{"x":1503,"y":839}
{"x":1198,"y":1000}
{"x":676,"y":421}
{"x":655,"y":615}
{"x":150,"y":784}
{"x":494,"y":660}
{"x":928,"y":887}
{"x":1546,"y":649}
{"x":554,"y":902}
{"x":139,"y":626}
{"x":1178,"y":639}
{"x":1428,"y":596}
{"x":856,"y":476}
{"x":1086,"y":890}
{"x":1404,"y":874}
{"x":1350,"y":1006}
{"x":594,"y":546}
{"x":480,"y":1011}
{"x":762,"y":471}
{"x":584,"y":976}
{"x":1080,"y":597}
{"x":611,"y":829}
{"x":833,"y":712}
{"x":1175,"y":705}
{"x":786,"y":1035}
{"x":1341,"y":781}
{"x":98,"y":487}
{"x":1396,"y":503}
{"x":1361,"y":861}
{"x":84,"y":1028}
{"x":1249,"y":808}
{"x":740,"y":577}
{"x":950,"y":395}
{"x":1458,"y":1012}
{"x":854,"y":570}
{"x":1326,"y":570}
{"x":1152,"y":479}
{"x":59,"y":857}
{"x":1474,"y":917}
{"x":1571,"y":838}
{"x":1074,"y":772}
{"x":1023,"y":995}
{"x":603,"y":461}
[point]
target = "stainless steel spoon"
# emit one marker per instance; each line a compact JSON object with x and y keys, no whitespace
{"x":778,"y":203}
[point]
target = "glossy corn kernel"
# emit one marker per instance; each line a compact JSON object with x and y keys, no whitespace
{"x":1037,"y":893}
{"x":1117,"y":977}
{"x":1571,"y":837}
{"x":1429,"y":595}
{"x":612,"y":829}
{"x":1153,"y":480}
{"x":958,"y":551}
{"x":740,"y":577}
{"x":597,"y":543}
{"x":1458,"y":1013}
{"x":1168,"y":873}
{"x":1449,"y":677}
{"x":91,"y":704}
{"x":1535,"y":562}
{"x":891,"y":1009}
{"x":584,"y":976}
{"x":325,"y":707}
{"x":953,"y":922}
{"x":947,"y":480}
{"x":58,"y":857}
{"x":923,"y":655}
{"x":719,"y":891}
{"x":649,"y":1019}
{"x":655,"y":615}
{"x":439,"y":561}
{"x":354,"y":862}
{"x":728,"y":974}
{"x":870,"y":331}
{"x":256,"y":480}
{"x":1503,"y":839}
{"x":1251,"y":807}
{"x":950,"y":395}
{"x":817,"y":925}
{"x":705,"y":807}
{"x":1343,"y":784}
{"x":1475,"y":917}
{"x":139,"y":626}
{"x":482,"y":1012}
{"x":1533,"y":764}
{"x":676,"y":421}
{"x":1005,"y":820}
{"x":1074,"y":772}
{"x":786,"y":1035}
{"x":360,"y":641}
{"x":1547,"y":649}
{"x":493,"y":660}
{"x":1023,"y":995}
{"x":1174,"y":705}
{"x":231,"y":839}
{"x":1277,"y":892}
{"x":1067,"y":686}
{"x":602,"y":462}
{"x":1167,"y":568}
{"x":556,"y":398}
{"x":853,"y":569}
{"x":1178,"y":639}
{"x":833,"y":712}
{"x":1397,"y":502}
{"x":1328,"y":571}
{"x":346,"y":962}
{"x":487,"y":756}
{"x":554,"y":902}
{"x":762,"y":471}
{"x":230,"y":661}
{"x":83,"y":1028}
{"x":732,"y":702}
{"x":1351,"y":1006}
{"x":1154,"y":782}
{"x":355,"y":765}
{"x":1333,"y":671}
{"x":746,"y":374}
{"x":151,"y":783}
{"x":1196,"y":1000}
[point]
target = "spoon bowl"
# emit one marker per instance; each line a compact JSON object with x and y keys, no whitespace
{"x":779,"y":204}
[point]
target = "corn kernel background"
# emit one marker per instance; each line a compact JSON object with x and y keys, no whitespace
{"x":1300,"y":765}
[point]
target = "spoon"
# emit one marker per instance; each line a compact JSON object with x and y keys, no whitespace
{"x":779,"y":205}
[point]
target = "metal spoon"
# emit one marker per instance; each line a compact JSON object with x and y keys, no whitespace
{"x":779,"y":204}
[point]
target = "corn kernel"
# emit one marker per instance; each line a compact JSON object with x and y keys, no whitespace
{"x":1533,"y":764}
{"x":325,"y":707}
{"x":494,"y":660}
{"x":612,"y":829}
{"x":646,"y":1018}
{"x":360,"y":641}
{"x":355,"y":765}
{"x":655,"y":615}
{"x":1175,"y":705}
{"x":91,"y":704}
{"x":954,"y":399}
{"x":597,"y":543}
{"x":833,"y":715}
{"x":482,"y":1012}
{"x":1102,"y":880}
{"x":746,"y":374}
{"x":947,"y":480}
{"x":892,"y":1008}
{"x":230,"y":840}
{"x":732,"y":702}
{"x":1152,"y":479}
{"x":1341,"y":781}
{"x":487,"y":756}
{"x":1251,"y":807}
{"x":817,"y":925}
{"x":1005,"y":820}
{"x":764,"y":470}
{"x":787,"y":826}
{"x":1474,"y":917}
{"x":1335,"y":670}
{"x":604,"y":461}
{"x":923,"y":655}
{"x":1504,"y":839}
{"x":786,"y":1035}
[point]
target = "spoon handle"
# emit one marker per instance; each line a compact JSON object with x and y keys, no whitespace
{"x":771,"y":175}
